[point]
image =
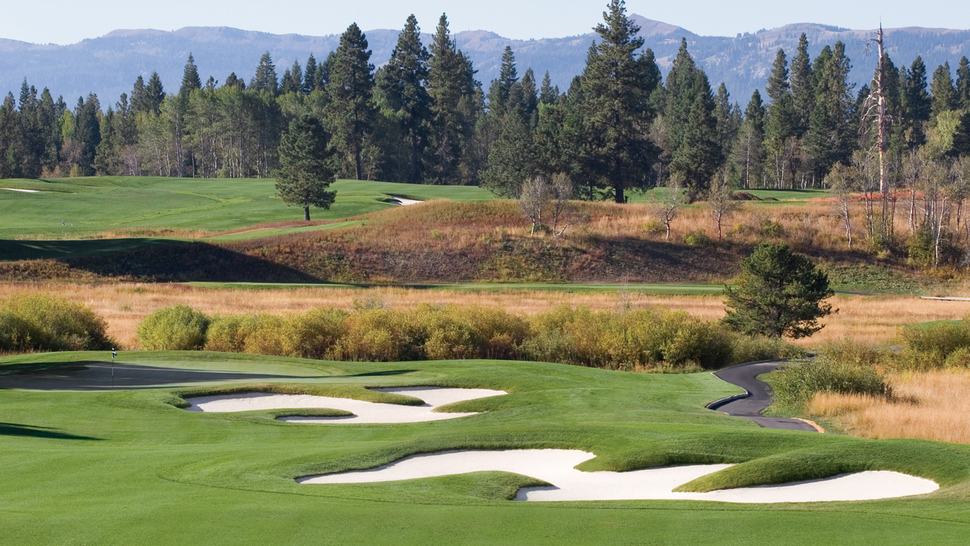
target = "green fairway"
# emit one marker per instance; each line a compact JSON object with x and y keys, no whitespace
{"x":127,"y":466}
{"x":73,"y":207}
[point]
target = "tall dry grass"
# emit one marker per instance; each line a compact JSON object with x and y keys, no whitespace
{"x":927,"y":405}
{"x":869,"y":320}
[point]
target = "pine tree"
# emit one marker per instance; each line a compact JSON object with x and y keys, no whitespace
{"x":777,"y":293}
{"x":917,"y":103}
{"x":547,"y":93}
{"x":454,"y":109}
{"x":190,"y":78}
{"x":692,"y":131}
{"x":615,"y":107}
{"x":306,"y":166}
{"x":511,"y":159}
{"x":527,"y":102}
{"x":831,"y":136}
{"x":943,"y":91}
{"x":748,"y":154}
{"x":403,"y":88}
{"x":87,"y":132}
{"x":265,"y":77}
{"x":501,"y":87}
{"x":963,"y":84}
{"x":778,"y":80}
{"x":153,"y":95}
{"x":351,"y":112}
{"x":309,"y":76}
{"x":802,"y":84}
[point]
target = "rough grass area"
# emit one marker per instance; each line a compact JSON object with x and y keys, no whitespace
{"x":168,"y":476}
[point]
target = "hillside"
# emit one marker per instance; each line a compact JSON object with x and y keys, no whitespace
{"x":109,"y":65}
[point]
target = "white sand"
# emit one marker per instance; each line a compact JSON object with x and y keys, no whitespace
{"x":556,"y":466}
{"x":405,"y":201}
{"x":18,"y":189}
{"x":364,"y":412}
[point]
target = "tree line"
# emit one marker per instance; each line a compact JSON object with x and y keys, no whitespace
{"x":423,"y":118}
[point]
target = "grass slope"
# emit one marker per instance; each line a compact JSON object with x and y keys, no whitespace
{"x":127,"y":466}
{"x":73,"y":207}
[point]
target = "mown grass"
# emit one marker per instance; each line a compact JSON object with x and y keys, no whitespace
{"x":80,"y":207}
{"x":128,"y":466}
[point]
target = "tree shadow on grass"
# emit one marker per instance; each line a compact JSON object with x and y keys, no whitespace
{"x":14,"y":429}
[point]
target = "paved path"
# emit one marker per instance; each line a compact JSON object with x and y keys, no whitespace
{"x":758,"y":398}
{"x":98,"y":376}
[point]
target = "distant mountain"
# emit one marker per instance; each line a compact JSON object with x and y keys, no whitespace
{"x":110,"y":64}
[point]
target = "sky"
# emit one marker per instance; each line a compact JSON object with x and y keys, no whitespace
{"x":70,"y":21}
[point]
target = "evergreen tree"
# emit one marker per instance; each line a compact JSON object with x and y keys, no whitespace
{"x":190,"y":79}
{"x":352,"y":110}
{"x":454,"y":108}
{"x":917,"y":103}
{"x":292,"y":81}
{"x":153,"y":95}
{"x":748,"y":154}
{"x":943,"y":91}
{"x":501,"y":87}
{"x":778,"y":80}
{"x":777,"y":293}
{"x":802,"y":86}
{"x":724,"y":117}
{"x":402,"y":85}
{"x":831,"y":135}
{"x":87,"y":132}
{"x":306,"y":166}
{"x":265,"y":77}
{"x":309,"y":76}
{"x":695,"y":152}
{"x":615,"y":107}
{"x":963,"y":84}
{"x":234,"y":81}
{"x":527,"y":101}
{"x":511,"y":159}
{"x":547,"y":93}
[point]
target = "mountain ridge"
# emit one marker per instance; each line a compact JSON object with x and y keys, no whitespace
{"x":108,"y":65}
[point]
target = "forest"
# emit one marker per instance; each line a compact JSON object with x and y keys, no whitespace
{"x":422,"y":117}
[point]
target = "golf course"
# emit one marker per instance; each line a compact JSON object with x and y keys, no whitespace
{"x":170,"y":447}
{"x":123,"y":465}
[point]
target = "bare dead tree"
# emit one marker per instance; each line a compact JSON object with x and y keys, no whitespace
{"x":536,"y":193}
{"x":562,"y":193}
{"x":720,"y":197}
{"x":669,"y":199}
{"x":843,"y":180}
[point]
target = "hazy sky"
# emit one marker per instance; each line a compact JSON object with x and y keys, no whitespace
{"x":70,"y":21}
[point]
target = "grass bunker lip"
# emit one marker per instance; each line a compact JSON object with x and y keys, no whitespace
{"x":364,"y":412}
{"x":557,"y":467}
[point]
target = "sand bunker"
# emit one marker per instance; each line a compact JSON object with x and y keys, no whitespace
{"x":405,"y":201}
{"x":556,"y":466}
{"x":364,"y":412}
{"x":21,"y":190}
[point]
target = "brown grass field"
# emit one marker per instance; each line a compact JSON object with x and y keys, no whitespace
{"x":927,"y":405}
{"x":863,"y":319}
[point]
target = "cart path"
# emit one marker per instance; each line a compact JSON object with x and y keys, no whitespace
{"x":758,"y":396}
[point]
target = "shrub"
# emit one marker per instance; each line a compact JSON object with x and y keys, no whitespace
{"x":754,"y":348}
{"x":771,"y":228}
{"x":42,"y":322}
{"x":797,"y":383}
{"x":177,"y":328}
{"x":268,"y":335}
{"x":928,"y":346}
{"x":697,"y":238}
{"x":654,"y":227}
{"x":226,"y":334}
{"x":317,"y":331}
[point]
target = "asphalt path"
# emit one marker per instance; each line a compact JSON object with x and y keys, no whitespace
{"x":102,"y":376}
{"x":758,"y":396}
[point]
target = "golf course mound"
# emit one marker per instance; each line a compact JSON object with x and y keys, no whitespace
{"x":363,"y":412}
{"x":557,"y":468}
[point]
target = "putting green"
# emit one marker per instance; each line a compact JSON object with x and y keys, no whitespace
{"x":124,"y":466}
